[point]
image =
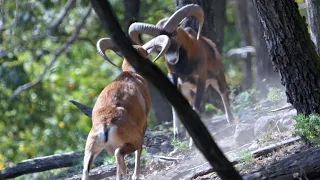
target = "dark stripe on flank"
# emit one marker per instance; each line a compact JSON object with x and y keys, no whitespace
{"x":106,"y":132}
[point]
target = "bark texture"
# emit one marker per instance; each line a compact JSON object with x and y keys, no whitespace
{"x":160,"y":109}
{"x":265,"y":74}
{"x":245,"y":35}
{"x":314,"y":21}
{"x":131,"y":13}
{"x":304,"y":165}
{"x":214,"y":15}
{"x":292,"y":52}
{"x":214,"y":20}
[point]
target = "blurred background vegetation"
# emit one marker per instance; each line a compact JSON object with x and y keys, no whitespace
{"x":40,"y":120}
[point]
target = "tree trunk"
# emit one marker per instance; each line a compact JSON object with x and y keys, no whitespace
{"x":314,"y":21}
{"x":214,"y":15}
{"x":214,"y":20}
{"x":245,"y":35}
{"x":265,"y":75}
{"x":161,"y":109}
{"x":292,"y":53}
{"x":131,"y":13}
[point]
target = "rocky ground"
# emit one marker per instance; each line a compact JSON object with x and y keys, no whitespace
{"x":256,"y":128}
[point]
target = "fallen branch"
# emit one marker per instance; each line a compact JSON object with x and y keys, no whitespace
{"x":257,"y":153}
{"x":167,"y":158}
{"x":303,"y":165}
{"x":41,"y":164}
{"x":87,"y":110}
{"x":289,"y":107}
{"x":242,"y":51}
{"x":69,"y":41}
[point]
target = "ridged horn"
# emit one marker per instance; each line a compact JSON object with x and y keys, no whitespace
{"x":137,"y":28}
{"x":162,"y":22}
{"x":104,"y":44}
{"x":162,"y":41}
{"x":187,"y":10}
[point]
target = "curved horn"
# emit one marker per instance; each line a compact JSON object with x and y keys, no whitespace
{"x":137,"y":28}
{"x":162,"y":22}
{"x":163,"y":41}
{"x":187,"y":10}
{"x":104,"y":44}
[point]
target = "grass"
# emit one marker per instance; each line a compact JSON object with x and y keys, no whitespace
{"x":180,"y":145}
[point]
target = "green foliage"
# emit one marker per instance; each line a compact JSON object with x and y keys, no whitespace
{"x":308,"y":127}
{"x":210,"y":107}
{"x":246,"y":157}
{"x":243,"y":100}
{"x":109,"y":160}
{"x":180,"y":145}
{"x":274,"y":94}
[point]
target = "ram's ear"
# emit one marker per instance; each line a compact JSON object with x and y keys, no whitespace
{"x":184,"y":38}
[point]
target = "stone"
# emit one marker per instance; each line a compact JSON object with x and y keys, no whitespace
{"x":244,"y":134}
{"x":263,"y":124}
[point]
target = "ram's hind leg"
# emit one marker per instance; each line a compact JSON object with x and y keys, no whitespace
{"x":121,"y":165}
{"x":136,"y":173}
{"x":222,"y":90}
{"x":93,"y":149}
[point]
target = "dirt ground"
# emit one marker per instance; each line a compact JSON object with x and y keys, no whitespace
{"x":165,"y":160}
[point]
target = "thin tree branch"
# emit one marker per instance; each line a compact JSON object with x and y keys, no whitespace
{"x":54,"y":25}
{"x":188,"y":117}
{"x":69,"y":41}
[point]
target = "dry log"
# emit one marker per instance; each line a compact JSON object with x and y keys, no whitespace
{"x":41,"y":164}
{"x":303,"y":165}
{"x":87,"y":110}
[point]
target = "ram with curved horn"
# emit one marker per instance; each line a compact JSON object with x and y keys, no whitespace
{"x":193,"y":61}
{"x":119,"y":116}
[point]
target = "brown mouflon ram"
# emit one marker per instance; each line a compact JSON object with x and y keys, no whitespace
{"x":119,"y":116}
{"x":193,"y":60}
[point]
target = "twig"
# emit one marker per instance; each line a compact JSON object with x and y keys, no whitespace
{"x":54,"y":25}
{"x":283,"y":108}
{"x":167,"y":158}
{"x":69,"y":41}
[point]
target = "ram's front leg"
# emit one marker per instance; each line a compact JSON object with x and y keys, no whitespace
{"x":197,"y":101}
{"x":199,"y":94}
{"x":177,"y":130}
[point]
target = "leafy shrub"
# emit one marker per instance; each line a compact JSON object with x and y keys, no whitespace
{"x":243,"y":100}
{"x":308,"y":127}
{"x":210,"y":107}
{"x":180,"y":145}
{"x":274,"y":94}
